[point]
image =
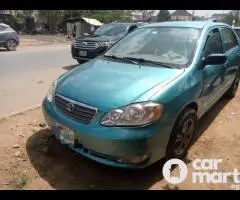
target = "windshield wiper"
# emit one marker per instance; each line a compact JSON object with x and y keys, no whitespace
{"x":121,"y":58}
{"x":143,"y":60}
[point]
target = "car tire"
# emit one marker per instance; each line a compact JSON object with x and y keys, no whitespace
{"x":231,"y":92}
{"x":182,"y":134}
{"x":81,"y":61}
{"x":11,"y":45}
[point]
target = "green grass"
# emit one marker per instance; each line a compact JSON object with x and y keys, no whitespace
{"x":19,"y":180}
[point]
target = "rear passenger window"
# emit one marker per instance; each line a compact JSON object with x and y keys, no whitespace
{"x":229,"y":39}
{"x":213,"y":43}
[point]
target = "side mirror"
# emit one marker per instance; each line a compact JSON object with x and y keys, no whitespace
{"x":214,"y":59}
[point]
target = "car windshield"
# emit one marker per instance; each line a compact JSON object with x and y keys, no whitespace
{"x":238,"y":32}
{"x":111,"y":29}
{"x":172,"y":46}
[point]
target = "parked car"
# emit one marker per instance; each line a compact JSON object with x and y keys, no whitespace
{"x":141,"y":100}
{"x":237,"y":30}
{"x":8,"y":37}
{"x":87,"y":47}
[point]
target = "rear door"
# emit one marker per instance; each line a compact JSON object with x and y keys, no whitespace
{"x":232,"y":51}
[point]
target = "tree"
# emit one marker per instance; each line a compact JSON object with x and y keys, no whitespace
{"x":51,"y":17}
{"x":228,"y":19}
{"x":163,"y":15}
{"x":236,"y":19}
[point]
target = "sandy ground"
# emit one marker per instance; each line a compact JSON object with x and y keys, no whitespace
{"x":28,"y":162}
{"x":35,"y":40}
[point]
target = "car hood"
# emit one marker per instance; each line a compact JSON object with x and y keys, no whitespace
{"x":98,"y":38}
{"x":107,"y":84}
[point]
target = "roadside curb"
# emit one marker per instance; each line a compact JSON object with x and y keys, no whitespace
{"x":6,"y":116}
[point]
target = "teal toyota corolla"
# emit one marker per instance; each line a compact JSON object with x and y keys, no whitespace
{"x":140,"y":101}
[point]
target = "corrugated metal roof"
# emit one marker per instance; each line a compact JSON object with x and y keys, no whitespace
{"x":92,"y":21}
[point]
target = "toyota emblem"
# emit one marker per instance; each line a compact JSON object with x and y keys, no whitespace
{"x":70,"y":107}
{"x":84,"y":43}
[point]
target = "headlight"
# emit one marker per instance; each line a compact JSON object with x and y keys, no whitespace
{"x":137,"y":114}
{"x":104,"y":44}
{"x":51,"y":91}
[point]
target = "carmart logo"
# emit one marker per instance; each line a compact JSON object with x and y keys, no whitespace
{"x":183,"y":171}
{"x":206,"y":171}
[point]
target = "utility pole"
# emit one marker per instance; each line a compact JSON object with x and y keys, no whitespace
{"x":193,"y":15}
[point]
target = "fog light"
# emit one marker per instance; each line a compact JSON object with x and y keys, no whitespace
{"x":134,"y":160}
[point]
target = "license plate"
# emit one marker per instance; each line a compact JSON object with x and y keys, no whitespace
{"x":83,"y":53}
{"x":67,"y":136}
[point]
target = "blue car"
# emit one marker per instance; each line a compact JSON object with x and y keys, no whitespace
{"x":141,"y":100}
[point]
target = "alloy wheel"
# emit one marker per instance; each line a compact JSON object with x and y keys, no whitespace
{"x":184,"y":137}
{"x":11,"y":45}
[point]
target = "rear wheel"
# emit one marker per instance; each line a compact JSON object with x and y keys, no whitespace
{"x":182,"y":134}
{"x":11,"y":45}
{"x":233,"y":89}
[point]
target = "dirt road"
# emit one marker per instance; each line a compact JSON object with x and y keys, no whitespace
{"x":26,"y":162}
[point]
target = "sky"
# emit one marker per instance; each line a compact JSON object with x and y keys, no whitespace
{"x":206,"y":13}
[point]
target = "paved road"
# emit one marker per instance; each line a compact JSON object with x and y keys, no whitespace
{"x":26,"y":74}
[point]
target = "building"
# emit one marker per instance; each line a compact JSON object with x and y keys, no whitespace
{"x":144,"y":15}
{"x":181,"y":15}
{"x":82,"y":25}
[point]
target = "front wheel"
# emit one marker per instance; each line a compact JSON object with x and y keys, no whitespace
{"x":182,"y":134}
{"x":231,"y":93}
{"x":11,"y":45}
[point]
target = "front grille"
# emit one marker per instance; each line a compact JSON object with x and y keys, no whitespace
{"x":85,"y":44}
{"x":78,"y":111}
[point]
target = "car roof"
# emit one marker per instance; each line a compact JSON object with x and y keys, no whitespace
{"x":186,"y":24}
{"x":126,"y":23}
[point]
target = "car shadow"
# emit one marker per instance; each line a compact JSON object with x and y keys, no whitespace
{"x":209,"y":117}
{"x":64,"y":169}
{"x":70,"y":67}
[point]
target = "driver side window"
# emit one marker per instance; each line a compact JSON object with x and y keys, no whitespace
{"x":213,"y":43}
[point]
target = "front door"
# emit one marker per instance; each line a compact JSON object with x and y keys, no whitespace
{"x":213,"y":75}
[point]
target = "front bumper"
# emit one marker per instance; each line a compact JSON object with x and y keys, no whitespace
{"x":91,"y":53}
{"x":107,"y":145}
